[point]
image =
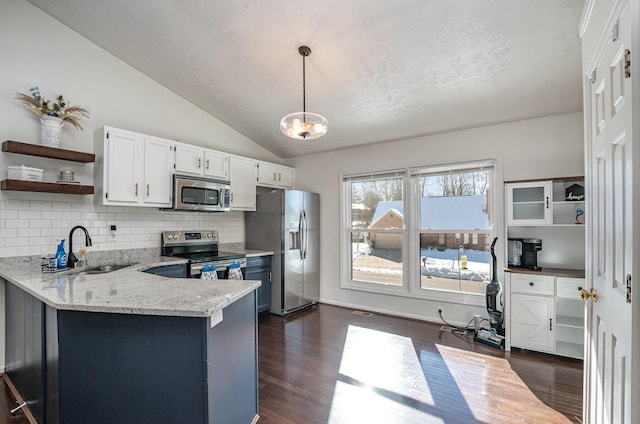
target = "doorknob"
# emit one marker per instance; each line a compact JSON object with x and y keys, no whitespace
{"x":584,"y":295}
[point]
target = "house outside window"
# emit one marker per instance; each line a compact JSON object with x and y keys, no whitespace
{"x":376,"y":235}
{"x":419,"y":232}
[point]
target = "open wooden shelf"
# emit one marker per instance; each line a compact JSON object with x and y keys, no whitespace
{"x":41,"y":187}
{"x":47,"y":152}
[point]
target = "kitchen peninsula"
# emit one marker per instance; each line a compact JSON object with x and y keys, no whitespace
{"x":131,"y":347}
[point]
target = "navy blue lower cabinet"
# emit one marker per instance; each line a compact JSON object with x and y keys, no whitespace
{"x":121,"y":368}
{"x":259,"y":268}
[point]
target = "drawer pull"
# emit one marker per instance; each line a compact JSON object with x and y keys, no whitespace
{"x":550,"y":324}
{"x":531,"y":283}
{"x":579,"y":288}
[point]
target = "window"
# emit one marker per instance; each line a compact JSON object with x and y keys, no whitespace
{"x":453,"y":204}
{"x":419,"y":232}
{"x":376,"y":228}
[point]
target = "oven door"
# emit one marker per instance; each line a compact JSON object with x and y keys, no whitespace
{"x":200,"y":195}
{"x":222,"y":268}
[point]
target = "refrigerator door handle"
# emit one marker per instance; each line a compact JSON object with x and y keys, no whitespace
{"x":306,"y":233}
{"x":301,"y":235}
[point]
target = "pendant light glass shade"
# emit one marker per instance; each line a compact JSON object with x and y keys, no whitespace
{"x":304,"y":125}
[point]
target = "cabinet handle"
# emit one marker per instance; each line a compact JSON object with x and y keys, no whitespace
{"x":200,"y":164}
{"x":531,"y":283}
{"x":279,"y":176}
{"x":579,"y":288}
{"x":274,"y":176}
{"x":147,"y":190}
{"x":207,"y":164}
{"x":547,"y":202}
{"x":550,"y":324}
{"x":136,"y":189}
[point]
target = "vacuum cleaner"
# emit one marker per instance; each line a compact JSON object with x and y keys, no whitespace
{"x":495,"y":335}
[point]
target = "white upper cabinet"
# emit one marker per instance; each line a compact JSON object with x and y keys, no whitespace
{"x":243,"y":183}
{"x":529,"y":203}
{"x":272,"y":175}
{"x":216,"y":164}
{"x":196,"y":161}
{"x":157,"y":171}
{"x":133,"y":169}
{"x":557,"y":202}
{"x":188,"y":159}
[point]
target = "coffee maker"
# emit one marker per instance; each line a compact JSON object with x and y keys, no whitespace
{"x":530,"y":248}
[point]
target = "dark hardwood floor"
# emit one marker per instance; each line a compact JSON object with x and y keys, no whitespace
{"x":328,"y":365}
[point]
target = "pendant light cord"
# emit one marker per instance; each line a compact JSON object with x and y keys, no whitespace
{"x":304,"y":90}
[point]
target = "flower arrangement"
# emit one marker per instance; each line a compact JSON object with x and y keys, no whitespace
{"x":58,"y":108}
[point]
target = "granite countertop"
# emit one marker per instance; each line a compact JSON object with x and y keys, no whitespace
{"x":130,"y":291}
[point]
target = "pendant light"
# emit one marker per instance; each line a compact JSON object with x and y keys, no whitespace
{"x":304,"y":125}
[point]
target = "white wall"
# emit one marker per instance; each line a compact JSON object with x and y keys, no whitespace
{"x":539,"y":148}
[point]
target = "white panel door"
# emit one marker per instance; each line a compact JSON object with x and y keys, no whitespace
{"x":216,"y":165}
{"x":532,"y":322}
{"x":157,"y":172}
{"x":188,"y":159}
{"x":242,"y":173}
{"x":122,"y":154}
{"x":611,"y":365}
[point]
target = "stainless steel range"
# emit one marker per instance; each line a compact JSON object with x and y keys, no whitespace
{"x":200,"y":248}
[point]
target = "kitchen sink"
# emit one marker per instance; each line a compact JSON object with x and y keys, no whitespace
{"x":102,"y":269}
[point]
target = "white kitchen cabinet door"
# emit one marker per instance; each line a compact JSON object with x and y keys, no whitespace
{"x":272,"y":175}
{"x":242,"y":173}
{"x":121,"y":167}
{"x":157,"y":172}
{"x":216,"y":165}
{"x":532,"y":322}
{"x":285,"y":177}
{"x":189,"y":160}
{"x":529,"y":203}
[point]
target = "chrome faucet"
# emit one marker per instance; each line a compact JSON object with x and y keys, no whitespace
{"x":71,"y":257}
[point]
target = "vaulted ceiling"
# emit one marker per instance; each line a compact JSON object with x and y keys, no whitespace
{"x":379,"y":70}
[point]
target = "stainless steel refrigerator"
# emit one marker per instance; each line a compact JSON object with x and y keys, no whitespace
{"x":287,"y":223}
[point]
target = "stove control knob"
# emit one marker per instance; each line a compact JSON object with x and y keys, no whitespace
{"x":209,"y":235}
{"x":170,"y":237}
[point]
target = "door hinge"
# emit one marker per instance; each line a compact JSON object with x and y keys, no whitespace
{"x":628,"y":288}
{"x":592,"y":77}
{"x":627,"y":63}
{"x":614,"y":32}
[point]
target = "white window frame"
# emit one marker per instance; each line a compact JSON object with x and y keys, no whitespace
{"x":411,"y":234}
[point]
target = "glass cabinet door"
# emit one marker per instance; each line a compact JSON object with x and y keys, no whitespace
{"x":529,"y":203}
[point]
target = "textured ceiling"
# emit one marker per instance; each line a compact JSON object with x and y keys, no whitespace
{"x":379,"y":70}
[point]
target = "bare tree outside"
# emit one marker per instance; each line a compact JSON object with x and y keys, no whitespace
{"x":454,"y":184}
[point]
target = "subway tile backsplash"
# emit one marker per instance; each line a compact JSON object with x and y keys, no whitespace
{"x":35,"y":227}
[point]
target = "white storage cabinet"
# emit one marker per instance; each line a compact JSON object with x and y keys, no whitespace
{"x":272,"y":175}
{"x":132,"y":169}
{"x":545,"y":313}
{"x":197,"y":161}
{"x":242,"y":172}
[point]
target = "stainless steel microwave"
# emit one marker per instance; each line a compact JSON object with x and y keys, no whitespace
{"x":196,"y":194}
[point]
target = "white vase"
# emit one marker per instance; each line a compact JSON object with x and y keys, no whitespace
{"x":50,"y":130}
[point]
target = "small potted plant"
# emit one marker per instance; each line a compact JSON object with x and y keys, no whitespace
{"x":53,"y":115}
